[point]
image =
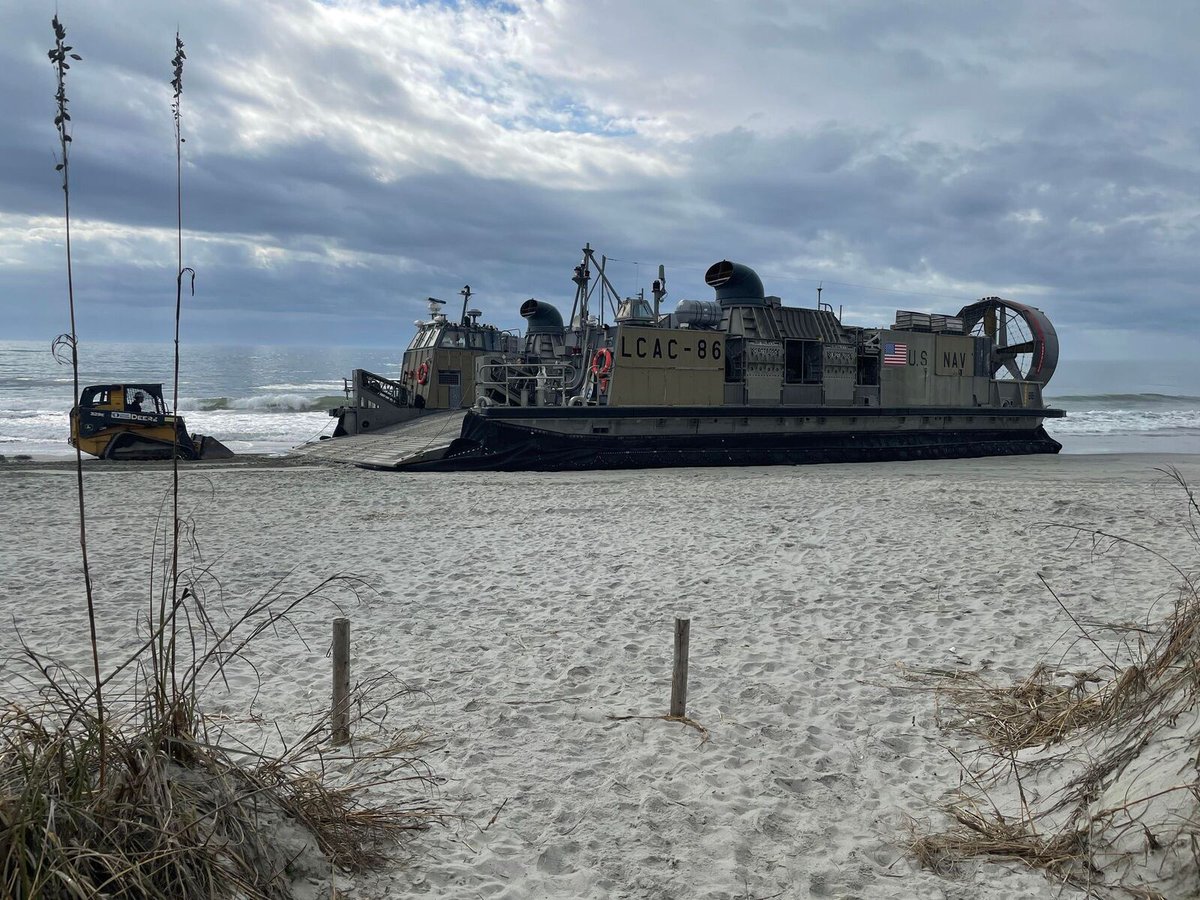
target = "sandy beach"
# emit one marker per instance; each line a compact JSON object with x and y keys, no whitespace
{"x":533,"y":610}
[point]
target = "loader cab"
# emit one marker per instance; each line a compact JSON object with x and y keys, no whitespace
{"x":135,"y":399}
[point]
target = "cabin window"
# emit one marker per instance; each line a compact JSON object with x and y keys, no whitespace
{"x":453,"y":337}
{"x":95,"y":397}
{"x":475,"y":340}
{"x":802,"y":362}
{"x":139,"y":400}
{"x":868,"y":370}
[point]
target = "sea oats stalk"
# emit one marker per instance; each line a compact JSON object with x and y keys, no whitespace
{"x":58,"y":58}
{"x":167,"y":656}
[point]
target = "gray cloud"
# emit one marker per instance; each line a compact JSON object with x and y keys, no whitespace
{"x":345,"y":160}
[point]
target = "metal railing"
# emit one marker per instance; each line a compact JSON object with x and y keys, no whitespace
{"x":512,"y":383}
{"x":391,"y":391}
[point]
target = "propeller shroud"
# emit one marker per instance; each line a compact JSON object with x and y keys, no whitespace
{"x":1024,"y":343}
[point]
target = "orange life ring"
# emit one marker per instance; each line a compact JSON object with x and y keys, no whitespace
{"x":423,"y":373}
{"x":602,"y":362}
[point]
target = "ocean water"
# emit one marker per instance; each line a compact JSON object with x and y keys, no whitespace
{"x":253,"y":399}
{"x":1126,"y":406}
{"x":269,"y":399}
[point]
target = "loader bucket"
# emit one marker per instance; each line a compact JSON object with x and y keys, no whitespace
{"x":208,"y":447}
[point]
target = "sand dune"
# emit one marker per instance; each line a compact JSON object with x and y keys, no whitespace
{"x":532,"y":609}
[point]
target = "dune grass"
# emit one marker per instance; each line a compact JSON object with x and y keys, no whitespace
{"x":187,"y":808}
{"x":1093,"y":777}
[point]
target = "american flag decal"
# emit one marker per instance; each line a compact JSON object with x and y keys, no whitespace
{"x":895,"y":354}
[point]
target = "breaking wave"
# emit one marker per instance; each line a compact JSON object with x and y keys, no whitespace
{"x":1113,"y":414}
{"x":264,"y":403}
{"x":1126,"y":421}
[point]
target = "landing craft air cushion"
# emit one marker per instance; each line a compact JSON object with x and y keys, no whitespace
{"x":737,"y":380}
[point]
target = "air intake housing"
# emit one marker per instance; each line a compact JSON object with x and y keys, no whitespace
{"x":735,"y":284}
{"x":543,"y":318}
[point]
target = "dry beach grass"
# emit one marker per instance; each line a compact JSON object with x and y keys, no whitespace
{"x":175,"y":802}
{"x":1092,"y":775}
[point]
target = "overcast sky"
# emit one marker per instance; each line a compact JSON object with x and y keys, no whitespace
{"x":346,"y":159}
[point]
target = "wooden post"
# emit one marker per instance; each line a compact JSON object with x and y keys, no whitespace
{"x":340,"y":719}
{"x":679,"y":674}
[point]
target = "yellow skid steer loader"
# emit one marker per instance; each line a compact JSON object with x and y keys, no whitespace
{"x":131,"y":421}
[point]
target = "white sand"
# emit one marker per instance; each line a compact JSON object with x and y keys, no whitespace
{"x":531,"y":608}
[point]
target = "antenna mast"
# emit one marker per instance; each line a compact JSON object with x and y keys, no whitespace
{"x":659,"y":289}
{"x":466,"y":295}
{"x":582,"y":276}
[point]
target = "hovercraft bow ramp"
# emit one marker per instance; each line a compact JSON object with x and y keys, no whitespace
{"x":424,"y":439}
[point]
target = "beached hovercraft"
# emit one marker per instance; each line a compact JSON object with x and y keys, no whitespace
{"x":132,"y":421}
{"x":741,"y":380}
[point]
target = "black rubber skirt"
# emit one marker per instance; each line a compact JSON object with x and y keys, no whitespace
{"x":491,"y":444}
